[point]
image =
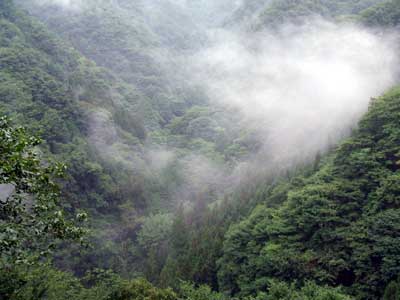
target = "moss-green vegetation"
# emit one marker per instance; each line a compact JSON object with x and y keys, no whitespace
{"x":93,"y":85}
{"x":339,"y":226}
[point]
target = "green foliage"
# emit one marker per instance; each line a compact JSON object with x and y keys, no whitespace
{"x":60,"y":96}
{"x":310,"y":291}
{"x":141,"y":290}
{"x":31,"y":220}
{"x":190,"y":292}
{"x":337,"y":224}
{"x":41,"y":282}
{"x":101,"y":121}
{"x":126,"y":41}
{"x":44,"y":282}
{"x":392,"y":291}
{"x":153,"y":238}
{"x":339,"y":227}
{"x":155,"y":230}
{"x":51,"y":90}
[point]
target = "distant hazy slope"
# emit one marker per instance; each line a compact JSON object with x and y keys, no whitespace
{"x":275,"y":12}
{"x":385,"y":14}
{"x":48,"y":87}
{"x":138,"y":41}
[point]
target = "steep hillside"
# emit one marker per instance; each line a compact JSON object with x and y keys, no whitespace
{"x":79,"y":109}
{"x":339,"y":226}
{"x":181,"y":125}
{"x":104,"y":124}
{"x":55,"y":92}
{"x":274,"y":13}
{"x":136,"y":41}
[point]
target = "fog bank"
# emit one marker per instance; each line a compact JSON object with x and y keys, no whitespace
{"x":300,"y":89}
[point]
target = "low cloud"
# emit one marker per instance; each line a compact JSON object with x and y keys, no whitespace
{"x":67,"y":4}
{"x":301,"y":88}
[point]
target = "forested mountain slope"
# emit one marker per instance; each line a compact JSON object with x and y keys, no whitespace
{"x":136,"y":41}
{"x":180,"y":185}
{"x":339,"y":226}
{"x":144,"y":44}
{"x":274,"y":13}
{"x":105,"y":126}
{"x":336,"y":226}
{"x":48,"y":87}
{"x":74,"y":106}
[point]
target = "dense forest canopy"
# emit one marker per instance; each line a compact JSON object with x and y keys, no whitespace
{"x":199,"y":150}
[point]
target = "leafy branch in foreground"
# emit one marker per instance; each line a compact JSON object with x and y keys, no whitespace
{"x":31,"y":220}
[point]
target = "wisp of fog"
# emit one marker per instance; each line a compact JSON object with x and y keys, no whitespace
{"x":65,"y":4}
{"x":301,"y":88}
